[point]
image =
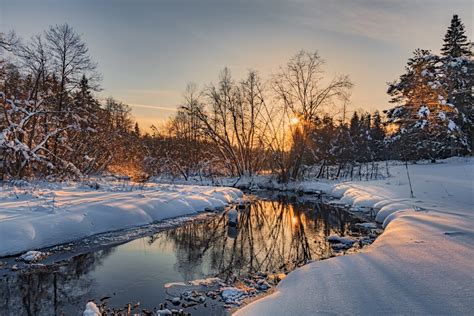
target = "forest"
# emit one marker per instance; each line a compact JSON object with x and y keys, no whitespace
{"x":293,"y":124}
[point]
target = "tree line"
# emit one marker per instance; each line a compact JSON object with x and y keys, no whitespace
{"x":53,"y":125}
{"x":434,"y":109}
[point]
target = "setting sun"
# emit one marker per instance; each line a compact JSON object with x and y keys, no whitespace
{"x":294,"y":121}
{"x":294,"y":220}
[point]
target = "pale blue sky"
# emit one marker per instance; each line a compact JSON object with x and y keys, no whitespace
{"x":148,"y":51}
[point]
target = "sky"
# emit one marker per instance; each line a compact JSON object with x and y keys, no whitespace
{"x":148,"y":51}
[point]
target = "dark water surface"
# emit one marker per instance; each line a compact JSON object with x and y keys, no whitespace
{"x":274,"y":235}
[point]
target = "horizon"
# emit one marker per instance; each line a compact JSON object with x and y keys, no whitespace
{"x":172,"y":44}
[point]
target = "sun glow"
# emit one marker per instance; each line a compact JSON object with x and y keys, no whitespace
{"x":294,"y":220}
{"x":294,"y":121}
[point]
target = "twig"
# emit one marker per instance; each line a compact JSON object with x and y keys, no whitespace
{"x":409,"y":180}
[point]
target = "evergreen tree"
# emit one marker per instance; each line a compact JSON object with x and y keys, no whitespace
{"x":458,"y":73}
{"x":319,"y":146}
{"x":85,"y":110}
{"x":359,"y":131}
{"x":425,"y":121}
{"x":455,"y":40}
{"x":136,"y":130}
{"x":377,"y":133}
{"x":354,"y":125}
{"x":343,"y":147}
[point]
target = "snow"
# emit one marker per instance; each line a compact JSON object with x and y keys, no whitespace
{"x":424,"y":111}
{"x":451,"y":125}
{"x":232,"y":295}
{"x":205,"y":282}
{"x":425,"y":73}
{"x":442,"y":115}
{"x":32,"y":256}
{"x":43,"y":215}
{"x":421,"y":264}
{"x":91,"y":310}
{"x":173,"y":284}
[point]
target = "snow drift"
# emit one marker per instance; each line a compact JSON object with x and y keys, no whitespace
{"x":421,"y":264}
{"x":34,"y":218}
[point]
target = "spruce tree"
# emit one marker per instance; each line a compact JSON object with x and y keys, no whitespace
{"x":458,"y":76}
{"x":425,"y":122}
{"x":359,"y":131}
{"x":136,"y":130}
{"x":365,"y":138}
{"x":83,"y":139}
{"x":322,"y":136}
{"x":377,"y":133}
{"x":455,"y":40}
{"x":343,"y":147}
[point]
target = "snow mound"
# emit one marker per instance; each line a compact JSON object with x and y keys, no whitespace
{"x":421,"y":264}
{"x":232,"y":295}
{"x":389,"y":209}
{"x":32,"y":256}
{"x":205,"y":282}
{"x":52,"y":214}
{"x":91,"y":310}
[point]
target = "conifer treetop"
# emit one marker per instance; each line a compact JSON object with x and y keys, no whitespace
{"x":455,"y":40}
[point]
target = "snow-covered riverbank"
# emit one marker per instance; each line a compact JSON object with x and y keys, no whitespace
{"x":421,"y":264}
{"x":42,"y":215}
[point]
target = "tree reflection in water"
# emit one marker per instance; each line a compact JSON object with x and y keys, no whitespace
{"x":43,"y":292}
{"x":272,"y":237}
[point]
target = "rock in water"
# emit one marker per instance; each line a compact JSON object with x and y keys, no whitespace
{"x":232,"y":295}
{"x":342,"y":240}
{"x":91,"y":310}
{"x":32,"y":256}
{"x":233,"y":217}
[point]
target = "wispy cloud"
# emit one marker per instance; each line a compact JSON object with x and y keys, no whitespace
{"x":145,"y":106}
{"x":381,"y":21}
{"x":150,"y":92}
{"x":157,"y":107}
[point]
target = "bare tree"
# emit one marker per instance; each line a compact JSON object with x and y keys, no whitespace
{"x":230,"y":119}
{"x":69,"y":58}
{"x":8,"y":41}
{"x":70,"y":61}
{"x":33,"y":59}
{"x":303,"y":93}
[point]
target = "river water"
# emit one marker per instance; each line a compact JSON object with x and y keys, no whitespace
{"x":274,"y":235}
